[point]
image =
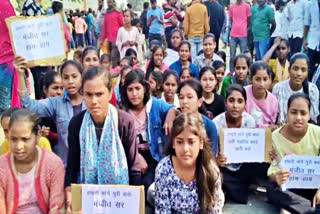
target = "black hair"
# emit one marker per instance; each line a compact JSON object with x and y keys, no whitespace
{"x":196,"y":86}
{"x":154,"y":42}
{"x":8,"y":113}
{"x":105,"y":57}
{"x":73,"y":63}
{"x":48,"y":79}
{"x":129,"y":59}
{"x":208,"y":36}
{"x":123,"y":69}
{"x":145,"y":5}
{"x":153,"y":1}
{"x":239,"y":88}
{"x":218,"y":64}
{"x":293,"y":59}
{"x":280,"y":3}
{"x":135,"y":75}
{"x":130,"y":51}
{"x":25,"y":115}
{"x":135,"y":22}
{"x":185,"y":42}
{"x":176,"y":30}
{"x":186,"y":69}
{"x":94,"y":72}
{"x":223,"y":55}
{"x":152,"y":64}
{"x":297,"y":96}
{"x":158,"y":78}
{"x":87,"y":50}
{"x":259,"y":65}
{"x":213,"y":71}
{"x":57,"y":7}
{"x":169,"y":73}
{"x":241,"y":56}
{"x":129,"y":6}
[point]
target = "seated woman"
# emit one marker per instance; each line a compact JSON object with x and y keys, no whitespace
{"x":170,"y":87}
{"x":238,"y":177}
{"x":156,"y":61}
{"x":149,"y":116}
{"x":155,"y":80}
{"x":213,"y":102}
{"x":31,"y":179}
{"x":208,"y":57}
{"x":262,"y":105}
{"x":60,"y":109}
{"x":300,"y":138}
{"x":51,"y":85}
{"x":188,"y":179}
{"x":298,"y":82}
{"x":241,"y":65}
{"x":172,"y":53}
{"x":184,"y":60}
{"x":191,"y":101}
{"x":100,"y":136}
{"x":5,"y":121}
{"x":280,"y":65}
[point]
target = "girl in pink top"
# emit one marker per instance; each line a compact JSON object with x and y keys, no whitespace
{"x":261,"y":104}
{"x":156,"y":61}
{"x":31,"y":179}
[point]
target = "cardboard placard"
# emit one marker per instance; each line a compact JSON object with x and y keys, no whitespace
{"x":107,"y":199}
{"x":244,"y":145}
{"x":304,"y":171}
{"x":40,"y":40}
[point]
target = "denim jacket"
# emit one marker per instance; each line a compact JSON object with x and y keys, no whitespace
{"x":61,"y":111}
{"x":156,"y":114}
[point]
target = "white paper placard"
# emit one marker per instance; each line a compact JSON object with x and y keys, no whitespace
{"x":304,"y":171}
{"x":110,"y":200}
{"x":244,"y":145}
{"x":38,"y":38}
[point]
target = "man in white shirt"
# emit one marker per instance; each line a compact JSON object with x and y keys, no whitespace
{"x":294,"y":12}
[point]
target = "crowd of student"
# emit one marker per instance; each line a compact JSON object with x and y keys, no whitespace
{"x":150,"y":114}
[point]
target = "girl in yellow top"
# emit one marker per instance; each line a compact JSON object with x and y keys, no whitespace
{"x":296,"y":137}
{"x":5,"y":146}
{"x":280,"y":65}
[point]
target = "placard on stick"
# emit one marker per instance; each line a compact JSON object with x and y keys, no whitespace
{"x":304,"y":171}
{"x":243,"y":145}
{"x":107,"y":199}
{"x":40,"y":40}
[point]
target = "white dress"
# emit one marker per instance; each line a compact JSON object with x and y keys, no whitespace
{"x":123,"y":36}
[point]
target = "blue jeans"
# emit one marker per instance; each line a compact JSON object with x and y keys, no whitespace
{"x":80,"y":40}
{"x":234,"y":42}
{"x":261,"y":48}
{"x":89,"y":37}
{"x":196,"y":46}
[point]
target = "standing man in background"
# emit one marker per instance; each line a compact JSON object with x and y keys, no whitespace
{"x":262,"y":17}
{"x":295,"y":11}
{"x":216,"y":19}
{"x":143,"y":18}
{"x":155,"y":22}
{"x":240,"y":15}
{"x":196,"y":25}
{"x":99,"y":21}
{"x":113,"y":20}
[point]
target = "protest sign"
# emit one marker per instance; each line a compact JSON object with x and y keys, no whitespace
{"x":107,"y":199}
{"x":242,"y":145}
{"x":304,"y":171}
{"x":40,"y":40}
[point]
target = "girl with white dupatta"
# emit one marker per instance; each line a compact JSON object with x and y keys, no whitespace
{"x":102,"y":140}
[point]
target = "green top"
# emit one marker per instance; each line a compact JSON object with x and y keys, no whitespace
{"x":228,"y":81}
{"x":261,"y":18}
{"x":225,"y":85}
